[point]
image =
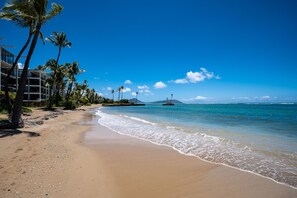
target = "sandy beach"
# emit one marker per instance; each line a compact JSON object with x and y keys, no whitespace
{"x":72,"y":156}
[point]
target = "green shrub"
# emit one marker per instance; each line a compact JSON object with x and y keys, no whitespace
{"x":70,"y":105}
{"x":26,"y":110}
{"x":5,"y":109}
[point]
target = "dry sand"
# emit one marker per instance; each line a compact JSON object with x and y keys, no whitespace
{"x":63,"y":162}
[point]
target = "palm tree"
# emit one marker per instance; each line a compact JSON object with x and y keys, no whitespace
{"x":119,"y":90}
{"x":59,"y":40}
{"x":122,"y":89}
{"x":136,"y":96}
{"x":112,"y":91}
{"x":171,"y":98}
{"x":51,"y":65}
{"x":14,"y":13}
{"x":37,"y":11}
{"x":59,"y":81}
{"x":72,"y":71}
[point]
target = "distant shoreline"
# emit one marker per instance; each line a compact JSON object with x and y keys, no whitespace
{"x":121,"y":105}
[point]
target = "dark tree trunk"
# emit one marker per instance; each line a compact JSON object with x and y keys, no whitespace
{"x":50,"y":99}
{"x":7,"y":99}
{"x":59,"y":53}
{"x":69,"y":91}
{"x":16,"y":117}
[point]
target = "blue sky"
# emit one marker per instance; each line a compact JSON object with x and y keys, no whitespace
{"x":201,"y":51}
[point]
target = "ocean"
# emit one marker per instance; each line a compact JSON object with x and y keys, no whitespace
{"x":258,"y":138}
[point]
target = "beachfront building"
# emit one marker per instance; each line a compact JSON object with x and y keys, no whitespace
{"x":36,"y":88}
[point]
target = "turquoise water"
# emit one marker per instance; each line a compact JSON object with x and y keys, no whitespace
{"x":259,"y":138}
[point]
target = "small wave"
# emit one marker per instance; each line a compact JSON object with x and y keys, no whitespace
{"x":139,"y":120}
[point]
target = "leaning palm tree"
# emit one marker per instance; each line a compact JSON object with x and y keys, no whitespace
{"x":37,"y":11}
{"x":14,"y":12}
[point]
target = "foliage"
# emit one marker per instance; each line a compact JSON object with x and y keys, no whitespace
{"x":26,"y":109}
{"x":70,"y":105}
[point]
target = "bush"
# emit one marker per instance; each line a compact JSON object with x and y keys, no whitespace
{"x":70,"y":105}
{"x":5,"y":109}
{"x":26,"y":110}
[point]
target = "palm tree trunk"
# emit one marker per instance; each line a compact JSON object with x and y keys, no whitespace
{"x":69,"y":91}
{"x":59,"y":53}
{"x":50,"y":103}
{"x":16,"y":118}
{"x":7,"y":99}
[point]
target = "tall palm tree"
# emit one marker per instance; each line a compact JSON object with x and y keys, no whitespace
{"x":51,"y":65}
{"x":112,"y":91}
{"x":14,"y":13}
{"x":37,"y":10}
{"x":59,"y":81}
{"x":119,"y":90}
{"x":59,"y":40}
{"x":136,"y":96}
{"x":122,"y":89}
{"x":72,"y":71}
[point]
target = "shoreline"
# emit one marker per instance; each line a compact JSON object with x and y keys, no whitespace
{"x":192,"y":155}
{"x":267,"y":187}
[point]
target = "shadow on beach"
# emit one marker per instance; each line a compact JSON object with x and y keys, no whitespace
{"x":11,"y":132}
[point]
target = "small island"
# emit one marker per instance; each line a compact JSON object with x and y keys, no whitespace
{"x":123,"y":102}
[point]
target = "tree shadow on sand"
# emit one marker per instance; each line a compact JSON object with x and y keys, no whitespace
{"x":11,"y":132}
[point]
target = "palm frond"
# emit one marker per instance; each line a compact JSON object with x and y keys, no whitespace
{"x":54,"y":11}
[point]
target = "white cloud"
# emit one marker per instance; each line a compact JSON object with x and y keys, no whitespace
{"x":143,"y":87}
{"x":109,"y":88}
{"x":201,"y":98}
{"x":133,"y":93}
{"x":128,"y":82}
{"x":194,"y":77}
{"x":126,"y":89}
{"x":160,"y":85}
{"x":181,"y":81}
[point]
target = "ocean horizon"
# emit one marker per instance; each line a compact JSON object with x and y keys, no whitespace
{"x":258,"y":138}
